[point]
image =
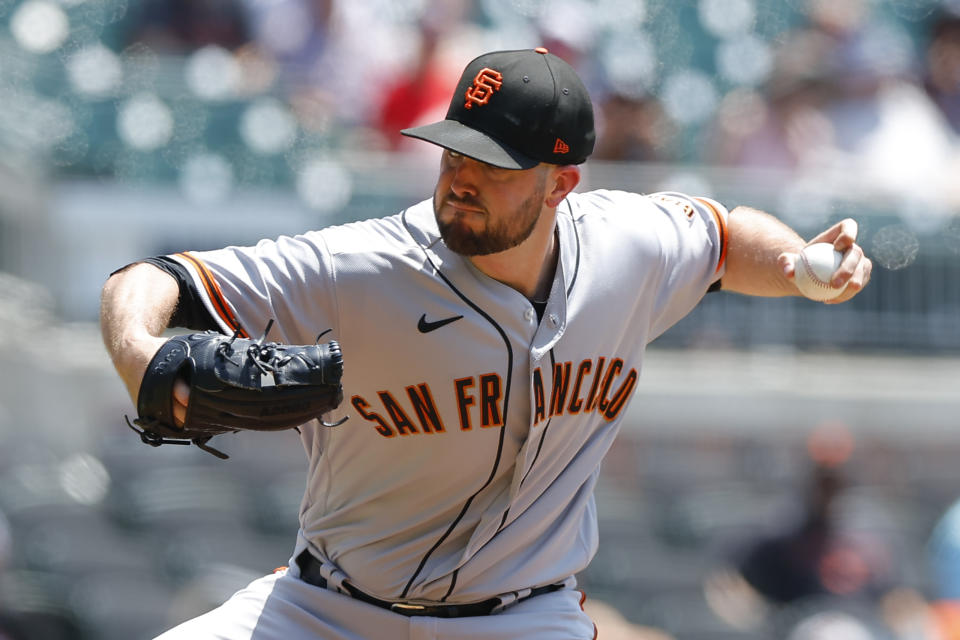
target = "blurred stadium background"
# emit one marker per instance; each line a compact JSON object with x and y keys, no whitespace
{"x":131,"y":128}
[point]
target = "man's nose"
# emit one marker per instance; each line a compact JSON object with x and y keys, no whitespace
{"x":464,"y":176}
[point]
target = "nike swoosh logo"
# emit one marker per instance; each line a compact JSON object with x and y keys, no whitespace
{"x":423,"y":326}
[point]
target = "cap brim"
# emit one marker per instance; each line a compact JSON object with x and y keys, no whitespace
{"x":458,"y":137}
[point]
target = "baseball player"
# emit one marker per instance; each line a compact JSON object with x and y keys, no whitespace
{"x":493,"y":337}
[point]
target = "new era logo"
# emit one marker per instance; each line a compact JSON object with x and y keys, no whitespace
{"x":561,"y":147}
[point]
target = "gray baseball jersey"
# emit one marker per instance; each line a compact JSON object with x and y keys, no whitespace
{"x":476,"y":430}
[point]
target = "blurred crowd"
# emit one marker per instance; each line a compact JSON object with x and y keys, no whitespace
{"x":870,"y":88}
{"x":837,"y":567}
{"x":853,"y":92}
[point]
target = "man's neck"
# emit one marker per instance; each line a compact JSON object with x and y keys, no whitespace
{"x":530,"y":266}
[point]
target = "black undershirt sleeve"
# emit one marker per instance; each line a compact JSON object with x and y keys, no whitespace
{"x":191,"y":313}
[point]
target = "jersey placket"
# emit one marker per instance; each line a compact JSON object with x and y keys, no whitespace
{"x":544,"y":335}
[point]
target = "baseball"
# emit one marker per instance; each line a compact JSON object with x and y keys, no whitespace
{"x":815,"y":265}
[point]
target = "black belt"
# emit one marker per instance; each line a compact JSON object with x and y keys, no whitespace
{"x":310,"y":573}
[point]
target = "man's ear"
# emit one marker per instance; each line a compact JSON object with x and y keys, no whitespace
{"x":563,"y":179}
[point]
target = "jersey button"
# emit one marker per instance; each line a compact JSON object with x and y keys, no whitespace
{"x":554,"y":320}
{"x":529,"y":315}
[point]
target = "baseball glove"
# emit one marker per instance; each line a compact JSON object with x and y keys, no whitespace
{"x":236,"y":384}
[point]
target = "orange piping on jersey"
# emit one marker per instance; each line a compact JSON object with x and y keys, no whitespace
{"x":215,"y":295}
{"x":583,"y":598}
{"x":724,"y":233}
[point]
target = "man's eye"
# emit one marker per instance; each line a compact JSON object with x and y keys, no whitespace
{"x":454,"y":154}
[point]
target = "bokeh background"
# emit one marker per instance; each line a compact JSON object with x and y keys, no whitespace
{"x":788,"y":470}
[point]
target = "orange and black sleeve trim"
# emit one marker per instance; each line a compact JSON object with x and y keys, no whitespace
{"x":724,"y":233}
{"x":214,"y":294}
{"x":721,"y":227}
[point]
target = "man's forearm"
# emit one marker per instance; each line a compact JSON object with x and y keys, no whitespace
{"x":756,"y":242}
{"x":135,"y":307}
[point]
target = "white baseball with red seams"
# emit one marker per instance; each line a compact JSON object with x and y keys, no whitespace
{"x":815,"y":267}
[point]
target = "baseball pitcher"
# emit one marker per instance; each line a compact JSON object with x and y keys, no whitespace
{"x":484,"y":346}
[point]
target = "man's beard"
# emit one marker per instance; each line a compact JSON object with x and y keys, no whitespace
{"x":509,"y":232}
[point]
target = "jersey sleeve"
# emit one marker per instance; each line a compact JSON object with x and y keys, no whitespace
{"x":693,"y":237}
{"x":288,"y":280}
{"x":191,"y":312}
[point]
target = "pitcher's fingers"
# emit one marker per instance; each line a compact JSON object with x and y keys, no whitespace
{"x":841,"y":235}
{"x":860,"y":278}
{"x":847,"y":235}
{"x":181,"y":397}
{"x":852,"y":262}
{"x":788,"y":264}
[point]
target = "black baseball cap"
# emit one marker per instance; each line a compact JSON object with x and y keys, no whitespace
{"x":515,"y":109}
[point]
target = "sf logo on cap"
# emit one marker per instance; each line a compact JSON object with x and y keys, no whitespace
{"x":486,"y":82}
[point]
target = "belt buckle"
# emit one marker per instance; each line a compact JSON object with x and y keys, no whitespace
{"x":406,"y":609}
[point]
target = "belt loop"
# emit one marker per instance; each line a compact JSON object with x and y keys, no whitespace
{"x":328,"y":571}
{"x":506,"y":600}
